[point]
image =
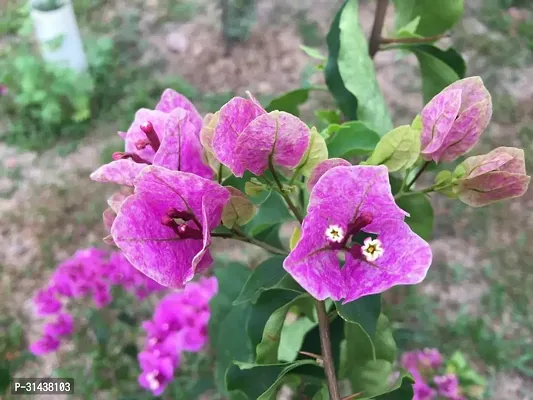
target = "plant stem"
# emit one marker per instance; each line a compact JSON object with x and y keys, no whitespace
{"x":379,"y":20}
{"x":327,"y":356}
{"x":285,"y":195}
{"x":413,"y":39}
{"x":406,"y":194}
{"x":239,"y":235}
{"x":420,"y":171}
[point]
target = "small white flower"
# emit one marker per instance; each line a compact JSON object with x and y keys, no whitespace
{"x":372,"y":249}
{"x":335,"y":233}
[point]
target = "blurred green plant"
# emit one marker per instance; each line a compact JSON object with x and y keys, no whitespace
{"x":48,"y":5}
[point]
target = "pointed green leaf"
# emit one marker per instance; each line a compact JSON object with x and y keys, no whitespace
{"x":357,"y":71}
{"x":397,"y":150}
{"x":292,"y":337}
{"x":352,"y":139}
{"x":232,"y":343}
{"x":267,"y":275}
{"x":356,"y":349}
{"x":421,"y":214}
{"x":438,"y":68}
{"x":261,"y":382}
{"x":290,"y":101}
{"x":230,"y":278}
{"x":273,"y":306}
{"x":436,"y":16}
{"x":313,"y":52}
{"x":295,"y":237}
{"x":346,"y":101}
{"x":364,"y":311}
{"x":315,"y":154}
{"x":383,"y":340}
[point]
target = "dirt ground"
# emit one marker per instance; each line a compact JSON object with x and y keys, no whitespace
{"x":49,"y":207}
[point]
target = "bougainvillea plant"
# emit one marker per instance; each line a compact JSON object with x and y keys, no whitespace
{"x":309,"y":316}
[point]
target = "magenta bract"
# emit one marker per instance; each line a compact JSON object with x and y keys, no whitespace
{"x":246,"y":137}
{"x":496,"y":176}
{"x":167,"y":136}
{"x":164,"y":229}
{"x":454,"y":119}
{"x":352,"y":214}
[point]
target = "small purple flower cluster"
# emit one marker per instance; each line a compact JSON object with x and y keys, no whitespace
{"x":89,"y":272}
{"x":430,"y":383}
{"x":179,"y":324}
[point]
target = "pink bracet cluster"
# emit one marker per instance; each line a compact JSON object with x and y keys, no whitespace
{"x":179,"y":324}
{"x":89,"y":272}
{"x":430,"y":383}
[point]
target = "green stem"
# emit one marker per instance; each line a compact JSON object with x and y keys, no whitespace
{"x":285,"y":195}
{"x":219,"y":177}
{"x":239,"y":235}
{"x":423,"y":191}
{"x":327,"y":355}
{"x":420,"y":171}
{"x":413,"y":39}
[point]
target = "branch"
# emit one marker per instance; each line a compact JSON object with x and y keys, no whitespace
{"x":420,"y":171}
{"x":285,"y":196}
{"x":379,"y":20}
{"x":414,"y":39}
{"x":327,"y":356}
{"x":239,"y":235}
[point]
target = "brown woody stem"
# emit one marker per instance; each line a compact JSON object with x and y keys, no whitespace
{"x":327,"y":356}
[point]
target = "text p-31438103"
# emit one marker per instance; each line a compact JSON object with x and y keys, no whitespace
{"x":42,"y":386}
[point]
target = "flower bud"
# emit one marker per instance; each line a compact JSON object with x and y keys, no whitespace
{"x":498,"y":175}
{"x":454,"y":119}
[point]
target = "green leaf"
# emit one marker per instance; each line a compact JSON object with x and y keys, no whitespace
{"x":357,"y":349}
{"x":323,"y":394}
{"x":239,"y":210}
{"x":438,"y":68}
{"x":232,"y":343}
{"x":313,"y":52}
{"x":295,"y":237}
{"x":292,"y":337}
{"x":351,"y":139}
{"x":397,"y":150}
{"x":315,"y":154}
{"x":289,"y":101}
{"x":267,"y":275}
{"x":328,"y":116}
{"x":383,"y":340}
{"x":272,"y":211}
{"x":364,"y":311}
{"x":371,"y":378}
{"x":231,"y":279}
{"x":401,"y":390}
{"x":261,"y":382}
{"x":268,"y":317}
{"x":409,"y":29}
{"x":254,"y":188}
{"x":421,"y":214}
{"x":357,"y":71}
{"x":436,"y":16}
{"x":346,"y":101}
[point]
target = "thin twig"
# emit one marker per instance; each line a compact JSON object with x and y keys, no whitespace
{"x":427,"y":39}
{"x":327,"y":355}
{"x":379,"y":20}
{"x":420,"y":171}
{"x":353,"y":396}
{"x":238,"y":235}
{"x":285,"y":195}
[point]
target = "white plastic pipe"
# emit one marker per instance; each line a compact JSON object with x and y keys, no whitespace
{"x":59,"y":27}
